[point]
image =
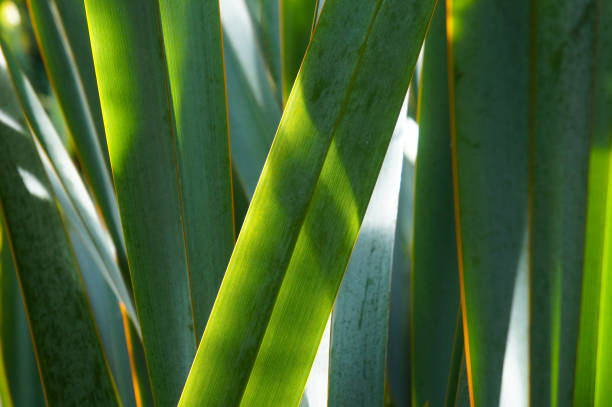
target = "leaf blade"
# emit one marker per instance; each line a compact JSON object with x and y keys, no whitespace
{"x":194,"y":53}
{"x":435,"y":274}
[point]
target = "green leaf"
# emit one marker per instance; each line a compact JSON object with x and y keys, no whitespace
{"x":61,"y":323}
{"x":296,"y":25}
{"x":435,"y":276}
{"x":489,"y":82}
{"x":594,"y":354}
{"x":306,"y":212}
{"x":65,"y":78}
{"x":17,"y":350}
{"x":360,"y":319}
{"x":69,"y":188}
{"x":141,"y":133}
{"x":562,"y":66}
{"x":192,"y":35}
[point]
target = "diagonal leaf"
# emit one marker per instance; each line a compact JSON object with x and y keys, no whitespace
{"x":77,"y":203}
{"x":194,"y":52}
{"x":305,"y":214}
{"x":60,"y":319}
{"x":65,"y":78}
{"x":594,"y":353}
{"x":360,"y":319}
{"x":489,"y":109}
{"x":435,"y":277}
{"x":74,"y":21}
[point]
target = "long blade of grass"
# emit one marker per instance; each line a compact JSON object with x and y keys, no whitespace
{"x":130,"y":62}
{"x":296,"y":17}
{"x":78,"y":202}
{"x":305,"y":215}
{"x":65,"y":78}
{"x":563,"y":51}
{"x":194,"y":53}
{"x":489,"y":109}
{"x":360,"y":320}
{"x":60,"y":319}
{"x":435,"y":276}
{"x":594,"y":353}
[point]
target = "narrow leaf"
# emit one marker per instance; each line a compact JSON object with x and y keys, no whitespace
{"x":74,"y":20}
{"x":194,"y":51}
{"x":305,"y":215}
{"x":435,"y":276}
